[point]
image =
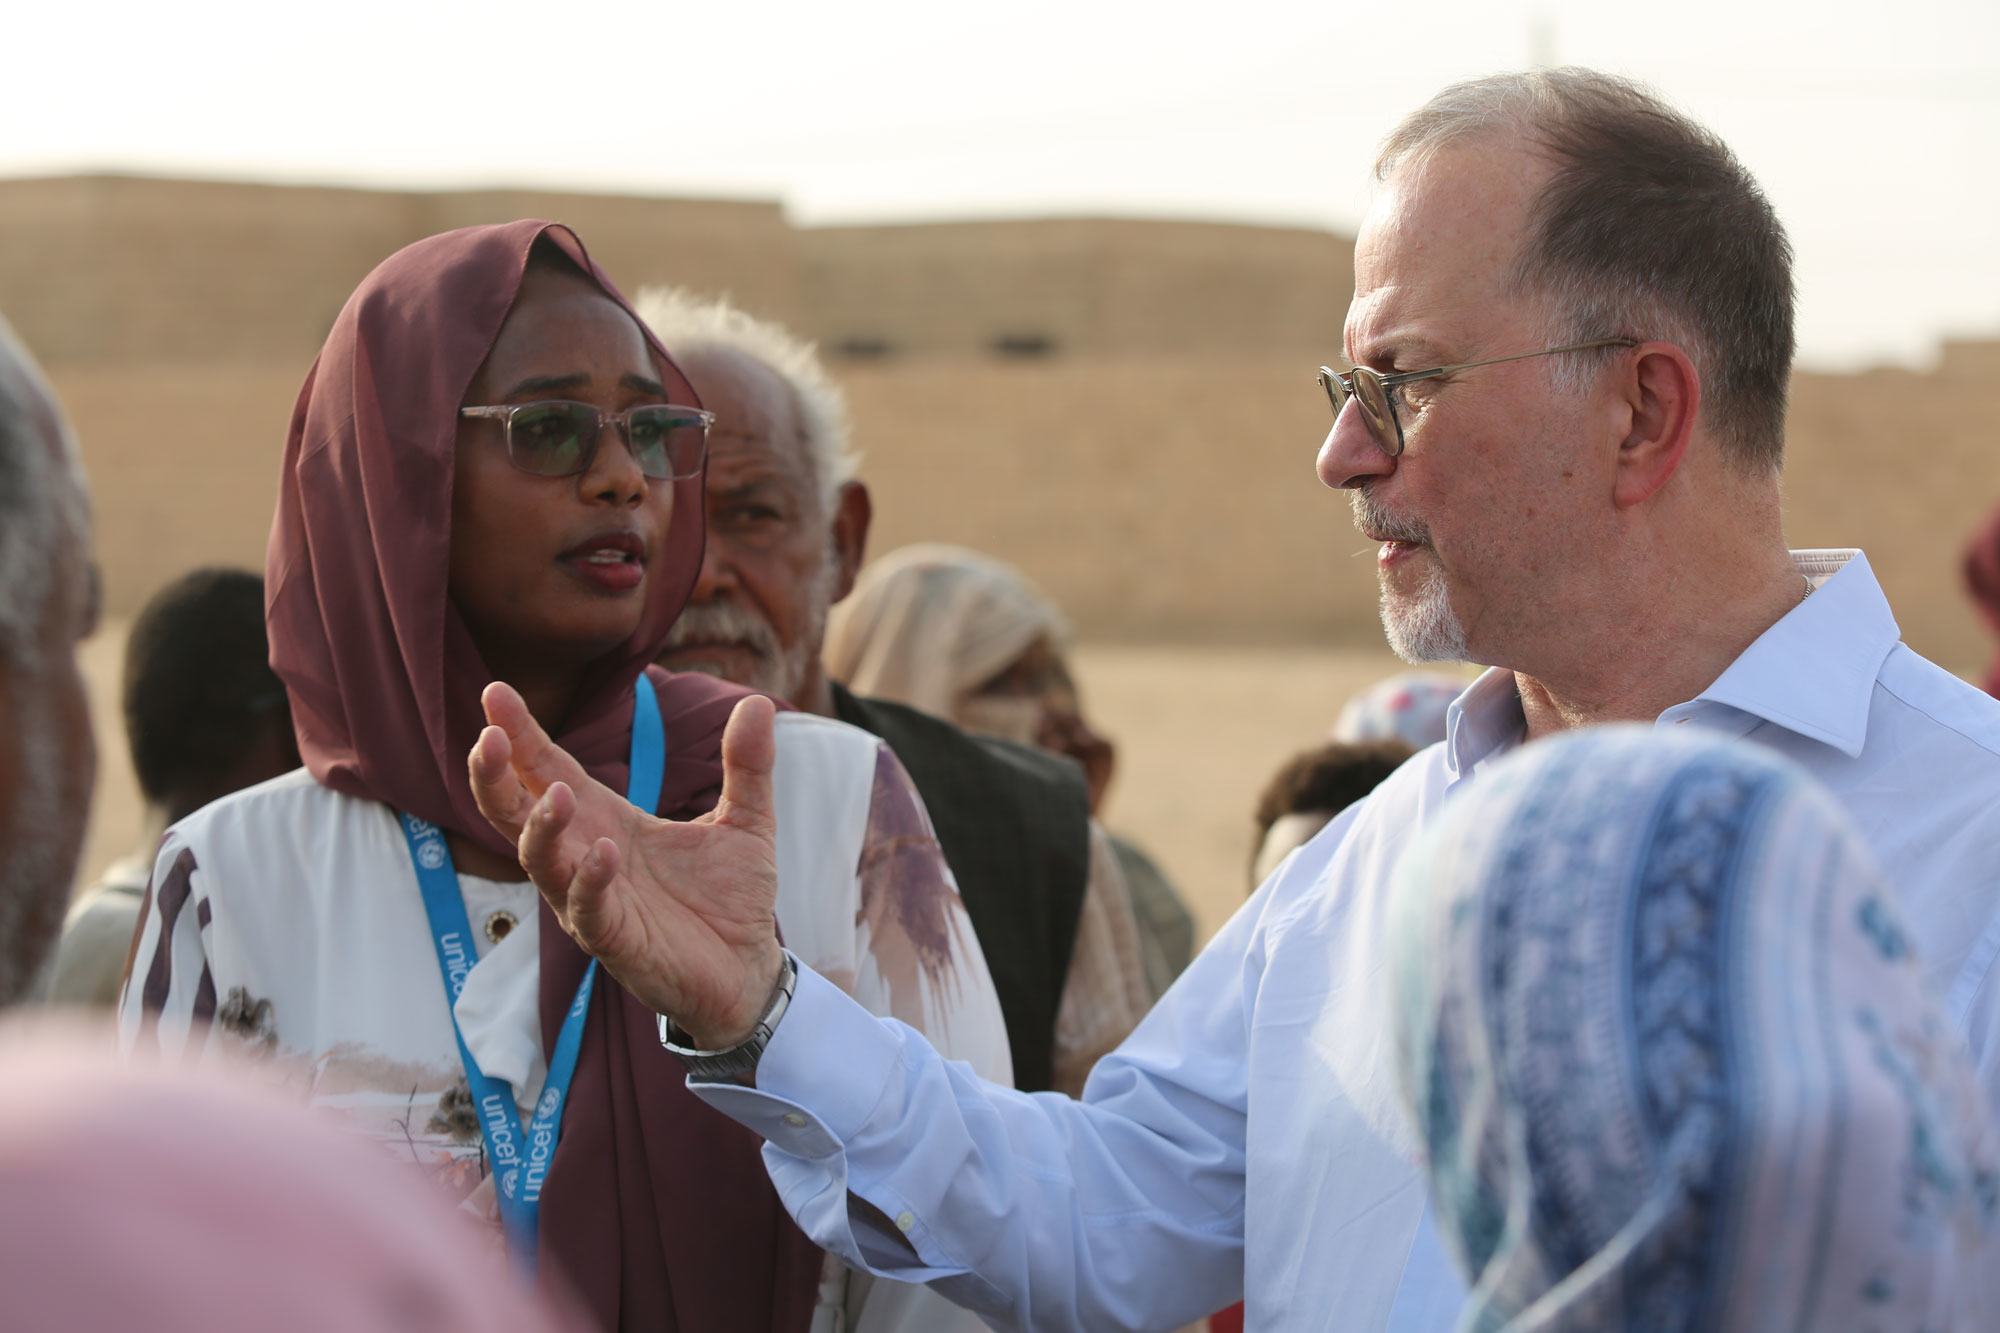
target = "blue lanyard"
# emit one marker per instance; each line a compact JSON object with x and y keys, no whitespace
{"x":520,"y":1158}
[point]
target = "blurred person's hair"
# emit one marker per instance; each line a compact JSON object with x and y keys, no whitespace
{"x":44,"y":505}
{"x":1324,"y":780}
{"x":691,"y":326}
{"x":1649,"y":227}
{"x":199,"y":692}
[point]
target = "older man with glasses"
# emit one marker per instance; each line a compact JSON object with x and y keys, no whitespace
{"x":1572,"y":329}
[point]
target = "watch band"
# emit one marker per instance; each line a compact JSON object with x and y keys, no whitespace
{"x":738,"y":1060}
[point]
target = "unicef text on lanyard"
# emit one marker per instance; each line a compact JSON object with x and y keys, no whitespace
{"x":520,"y":1159}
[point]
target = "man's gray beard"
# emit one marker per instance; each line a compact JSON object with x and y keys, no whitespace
{"x":1424,"y":628}
{"x":35,"y":867}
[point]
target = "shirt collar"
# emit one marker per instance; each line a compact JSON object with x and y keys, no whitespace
{"x":1813,"y":672}
{"x":1481,"y":722}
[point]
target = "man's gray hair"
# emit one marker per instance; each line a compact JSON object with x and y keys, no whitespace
{"x":689,"y":324}
{"x":1648,"y":228}
{"x":44,"y":502}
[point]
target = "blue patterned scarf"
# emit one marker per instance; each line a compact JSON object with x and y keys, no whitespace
{"x":1665,"y":1041}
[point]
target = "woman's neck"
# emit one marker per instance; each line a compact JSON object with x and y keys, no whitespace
{"x":549,"y":691}
{"x":549,"y":688}
{"x":548,"y":694}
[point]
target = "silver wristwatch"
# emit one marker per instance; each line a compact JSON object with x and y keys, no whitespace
{"x":731,"y":1064}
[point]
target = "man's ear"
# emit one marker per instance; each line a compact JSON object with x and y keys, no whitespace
{"x":853,"y":510}
{"x":1663,"y":392}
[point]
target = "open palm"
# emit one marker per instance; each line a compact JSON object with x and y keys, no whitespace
{"x":682,"y":913}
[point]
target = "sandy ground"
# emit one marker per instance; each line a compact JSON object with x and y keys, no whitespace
{"x":1199,"y":730}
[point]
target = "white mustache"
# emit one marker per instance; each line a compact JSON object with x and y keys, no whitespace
{"x":723,"y":621}
{"x":1372,"y":519}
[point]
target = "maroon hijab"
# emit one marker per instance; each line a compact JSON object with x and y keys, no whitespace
{"x":657,"y":1209}
{"x":1982,"y":580}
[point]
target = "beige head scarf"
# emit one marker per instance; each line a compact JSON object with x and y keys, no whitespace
{"x":928,"y":624}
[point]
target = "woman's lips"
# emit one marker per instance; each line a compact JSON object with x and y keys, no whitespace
{"x":606,"y":569}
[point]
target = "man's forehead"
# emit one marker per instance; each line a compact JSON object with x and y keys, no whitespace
{"x":1438,"y":247}
{"x":756,"y":414}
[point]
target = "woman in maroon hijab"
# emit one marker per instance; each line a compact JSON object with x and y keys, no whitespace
{"x":495,"y":472}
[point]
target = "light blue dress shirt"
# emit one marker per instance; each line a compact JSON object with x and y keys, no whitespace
{"x":1248,"y":1137}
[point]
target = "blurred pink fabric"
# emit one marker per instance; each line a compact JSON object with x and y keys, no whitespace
{"x":145,"y":1198}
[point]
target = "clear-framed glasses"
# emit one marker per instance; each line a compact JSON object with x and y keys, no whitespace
{"x":558,"y":438}
{"x":1374,"y":391}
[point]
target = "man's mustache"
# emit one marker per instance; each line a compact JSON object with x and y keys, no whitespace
{"x":723,"y":621}
{"x":1378,"y":524}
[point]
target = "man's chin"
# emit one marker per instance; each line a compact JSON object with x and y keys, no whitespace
{"x":1421,"y":626}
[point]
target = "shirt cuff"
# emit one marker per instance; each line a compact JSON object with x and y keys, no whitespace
{"x":806,"y":1102}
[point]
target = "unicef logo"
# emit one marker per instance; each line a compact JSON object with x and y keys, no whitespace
{"x":430,"y":854}
{"x":510,"y":1181}
{"x":546,"y":1108}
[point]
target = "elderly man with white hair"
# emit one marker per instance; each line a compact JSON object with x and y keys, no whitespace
{"x":48,"y":604}
{"x":1571,"y":339}
{"x":788,"y":518}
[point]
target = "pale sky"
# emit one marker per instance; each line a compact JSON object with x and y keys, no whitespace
{"x":1876,"y":129}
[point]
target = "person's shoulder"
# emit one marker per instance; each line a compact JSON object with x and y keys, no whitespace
{"x":1930,"y":700}
{"x":288,"y":796}
{"x":799,"y":734}
{"x":1353,"y":856}
{"x":1422,"y":774}
{"x":827,"y":773}
{"x":911,"y":733}
{"x":289,"y":820}
{"x":1406,"y":796}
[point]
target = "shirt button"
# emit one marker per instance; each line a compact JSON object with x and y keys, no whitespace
{"x":905,"y":1220}
{"x":795,"y":1120}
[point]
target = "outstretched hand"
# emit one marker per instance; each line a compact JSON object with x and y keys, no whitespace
{"x":682,"y":914}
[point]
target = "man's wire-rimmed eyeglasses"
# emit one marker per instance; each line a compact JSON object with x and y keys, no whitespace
{"x":1371,"y":388}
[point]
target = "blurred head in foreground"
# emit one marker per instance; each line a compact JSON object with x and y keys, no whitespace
{"x":1671,"y":1057}
{"x":48,"y":604}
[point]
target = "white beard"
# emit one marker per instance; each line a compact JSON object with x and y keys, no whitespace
{"x":779,"y":671}
{"x":1424,"y":628}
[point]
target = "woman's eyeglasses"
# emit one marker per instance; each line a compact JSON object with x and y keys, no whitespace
{"x":559,"y":438}
{"x":1371,"y":388}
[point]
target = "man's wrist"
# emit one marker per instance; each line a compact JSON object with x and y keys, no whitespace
{"x":738,"y":1060}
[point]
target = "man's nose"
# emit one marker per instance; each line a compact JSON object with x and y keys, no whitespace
{"x":1350,"y":455}
{"x":718,"y":575}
